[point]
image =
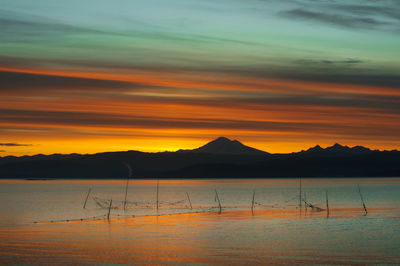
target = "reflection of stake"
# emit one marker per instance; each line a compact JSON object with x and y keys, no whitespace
{"x":362,"y":200}
{"x":109,"y":209}
{"x":252,"y":202}
{"x":219,"y":203}
{"x":87,"y":196}
{"x":327,"y":203}
{"x":187,"y":194}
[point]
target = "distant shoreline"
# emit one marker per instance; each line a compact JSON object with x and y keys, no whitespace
{"x":200,"y":179}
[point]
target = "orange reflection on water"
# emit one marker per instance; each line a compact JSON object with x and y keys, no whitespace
{"x":122,"y":181}
{"x":231,"y":237}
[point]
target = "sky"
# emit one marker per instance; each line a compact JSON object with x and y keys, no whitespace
{"x":91,"y":76}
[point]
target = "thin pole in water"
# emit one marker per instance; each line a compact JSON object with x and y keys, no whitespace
{"x":158,"y":181}
{"x":362,"y":199}
{"x":187,"y":194}
{"x":305,"y":200}
{"x":127,"y":183}
{"x":252,"y":202}
{"x":327,"y":203}
{"x":219,"y":203}
{"x":300,"y":193}
{"x":109,"y":210}
{"x":87,"y":197}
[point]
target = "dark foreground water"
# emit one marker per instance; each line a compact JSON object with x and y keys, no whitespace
{"x":44,"y":222}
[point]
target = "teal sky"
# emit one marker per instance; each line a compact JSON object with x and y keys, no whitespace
{"x":270,"y":38}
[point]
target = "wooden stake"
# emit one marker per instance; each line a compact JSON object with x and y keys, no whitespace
{"x":109,"y":209}
{"x":305,"y":200}
{"x":300,"y":194}
{"x":362,"y":199}
{"x":187,"y":194}
{"x":219,"y":203}
{"x":87,"y":196}
{"x":127,"y":183}
{"x":158,"y":181}
{"x":252,"y":202}
{"x":327,"y":203}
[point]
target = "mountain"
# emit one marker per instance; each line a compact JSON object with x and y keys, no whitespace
{"x":220,"y":158}
{"x":335,"y":150}
{"x":224,"y":145}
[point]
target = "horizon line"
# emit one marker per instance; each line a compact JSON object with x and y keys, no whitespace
{"x":188,"y":150}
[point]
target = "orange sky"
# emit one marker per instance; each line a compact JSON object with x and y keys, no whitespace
{"x":151,"y":112}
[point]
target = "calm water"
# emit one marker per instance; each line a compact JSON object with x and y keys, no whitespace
{"x":41,"y":222}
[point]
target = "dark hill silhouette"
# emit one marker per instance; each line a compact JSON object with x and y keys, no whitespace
{"x":335,"y":150}
{"x":221,"y":158}
{"x":224,"y":145}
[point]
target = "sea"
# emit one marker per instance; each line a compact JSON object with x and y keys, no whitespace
{"x":292,"y":221}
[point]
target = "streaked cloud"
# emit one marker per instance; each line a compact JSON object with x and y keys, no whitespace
{"x":12,"y":81}
{"x":353,"y":14}
{"x":335,"y":19}
{"x":14,"y":24}
{"x":13,"y":144}
{"x":331,"y":62}
{"x":107,"y":120}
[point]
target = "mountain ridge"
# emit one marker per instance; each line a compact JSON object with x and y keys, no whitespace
{"x":336,"y":149}
{"x":202,"y":149}
{"x":235,"y":161}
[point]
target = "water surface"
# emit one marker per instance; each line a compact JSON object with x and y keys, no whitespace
{"x":41,"y":222}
